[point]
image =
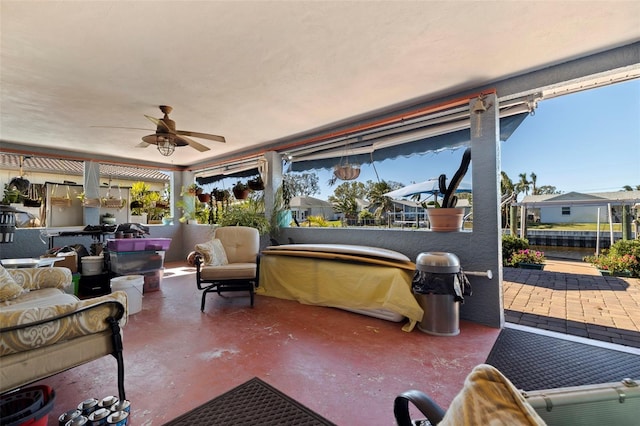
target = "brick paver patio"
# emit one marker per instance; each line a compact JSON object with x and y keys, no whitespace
{"x":572,"y":298}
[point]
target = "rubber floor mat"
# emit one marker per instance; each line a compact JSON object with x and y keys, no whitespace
{"x":534,"y":361}
{"x":252,"y":403}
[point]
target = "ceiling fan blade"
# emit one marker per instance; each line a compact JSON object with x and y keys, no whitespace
{"x":126,"y":128}
{"x":201,"y":135}
{"x":142,"y":145}
{"x":194,"y":144}
{"x":159,"y":123}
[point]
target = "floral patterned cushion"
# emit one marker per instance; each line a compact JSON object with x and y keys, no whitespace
{"x":36,"y":278}
{"x":213,"y":253}
{"x":9,"y":289}
{"x":83,"y":323}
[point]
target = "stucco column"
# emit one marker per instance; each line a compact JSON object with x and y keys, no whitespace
{"x":486,"y":303}
{"x":272,"y":178}
{"x":91,"y":179}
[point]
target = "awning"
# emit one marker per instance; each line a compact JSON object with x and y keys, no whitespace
{"x":422,"y":145}
{"x":203,"y":180}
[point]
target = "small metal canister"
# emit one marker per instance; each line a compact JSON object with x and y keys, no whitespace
{"x":108,"y":402}
{"x":78,"y":421}
{"x":124,"y":405}
{"x":119,"y":418}
{"x":68,"y":416}
{"x":88,"y":406}
{"x":99,"y":417}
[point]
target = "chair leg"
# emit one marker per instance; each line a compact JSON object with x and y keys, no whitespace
{"x":204,"y":295}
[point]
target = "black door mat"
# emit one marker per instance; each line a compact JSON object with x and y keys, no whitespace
{"x":252,"y":403}
{"x":535,"y":361}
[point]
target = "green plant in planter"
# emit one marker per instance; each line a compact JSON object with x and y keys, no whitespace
{"x":510,"y":245}
{"x":256,"y":184}
{"x":623,"y":257}
{"x":450,"y":200}
{"x":194,"y":189}
{"x":527,"y":256}
{"x":281,"y":204}
{"x":248,"y":213}
{"x":139,"y":192}
{"x":240,"y":190}
{"x":11,"y":194}
{"x":188,"y":207}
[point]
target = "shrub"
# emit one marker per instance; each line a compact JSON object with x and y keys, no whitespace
{"x":510,"y":245}
{"x":245,"y":214}
{"x":526,"y":256}
{"x":622,"y":256}
{"x":317,"y":221}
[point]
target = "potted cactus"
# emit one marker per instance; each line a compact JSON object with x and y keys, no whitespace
{"x":447,"y":217}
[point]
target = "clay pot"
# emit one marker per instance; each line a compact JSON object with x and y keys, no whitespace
{"x":446,"y":219}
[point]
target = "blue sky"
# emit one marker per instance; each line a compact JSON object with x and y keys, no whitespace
{"x":586,"y":142}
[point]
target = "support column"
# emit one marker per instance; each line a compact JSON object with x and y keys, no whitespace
{"x":272,"y":177}
{"x":486,"y":306}
{"x":91,"y":186}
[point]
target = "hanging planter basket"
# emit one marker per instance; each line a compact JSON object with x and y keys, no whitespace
{"x":346,"y":171}
{"x":204,"y":198}
{"x":241,"y":194}
{"x":220,"y":195}
{"x":256,"y":184}
{"x":56,"y":200}
{"x":27,"y":202}
{"x":91,"y":202}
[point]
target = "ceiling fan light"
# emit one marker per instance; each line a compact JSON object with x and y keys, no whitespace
{"x":166,"y":145}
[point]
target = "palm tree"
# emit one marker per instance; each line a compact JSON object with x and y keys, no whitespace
{"x":378,"y":200}
{"x":534,"y":178}
{"x":506,"y":184}
{"x":523,"y":185}
{"x":507,"y":189}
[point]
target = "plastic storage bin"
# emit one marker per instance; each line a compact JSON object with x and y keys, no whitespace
{"x":138,"y":244}
{"x":126,"y":244}
{"x":135,"y":262}
{"x":157,"y":243}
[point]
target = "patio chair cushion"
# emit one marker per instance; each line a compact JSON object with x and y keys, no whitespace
{"x":489,"y":398}
{"x":232,"y":271}
{"x":9,"y":289}
{"x":213,"y":253}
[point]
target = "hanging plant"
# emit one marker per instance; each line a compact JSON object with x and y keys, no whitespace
{"x":256,"y":184}
{"x":204,"y":198}
{"x":346,"y":171}
{"x":220,"y":194}
{"x":241,"y":191}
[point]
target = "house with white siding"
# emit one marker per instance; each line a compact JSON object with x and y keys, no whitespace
{"x":575,"y":207}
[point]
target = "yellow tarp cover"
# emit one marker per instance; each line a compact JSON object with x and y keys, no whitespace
{"x":339,"y":284}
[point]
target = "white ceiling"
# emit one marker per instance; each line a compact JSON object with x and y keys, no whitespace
{"x":257,"y":72}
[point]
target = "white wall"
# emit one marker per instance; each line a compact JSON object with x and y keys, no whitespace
{"x":579,"y":214}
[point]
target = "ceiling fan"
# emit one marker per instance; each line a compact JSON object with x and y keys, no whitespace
{"x":167,"y":138}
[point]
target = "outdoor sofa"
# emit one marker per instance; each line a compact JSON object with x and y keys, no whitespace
{"x":45,"y":330}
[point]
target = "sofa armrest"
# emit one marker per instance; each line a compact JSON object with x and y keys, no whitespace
{"x":37,"y":278}
{"x":26,"y":329}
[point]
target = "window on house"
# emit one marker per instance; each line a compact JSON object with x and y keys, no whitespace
{"x":566,"y":211}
